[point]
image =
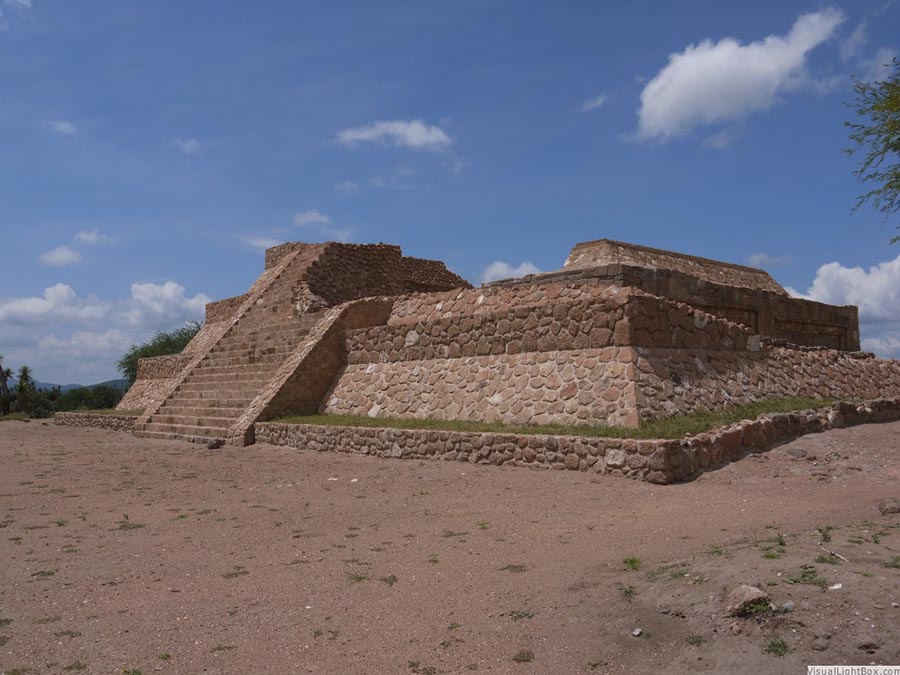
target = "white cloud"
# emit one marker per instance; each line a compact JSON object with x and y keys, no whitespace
{"x":721,"y":139}
{"x":878,"y":67}
{"x":459,"y":164}
{"x":876,"y":291}
{"x":315,"y":221}
{"x":593,"y":103}
{"x":724,"y":81}
{"x":398,"y":179}
{"x":92,"y":237}
{"x":70,"y":339}
{"x":346,"y":187}
{"x":188,"y":146}
{"x":163,"y":305}
{"x":766,"y":261}
{"x":854,"y":43}
{"x":110,"y":343}
{"x":58,"y":302}
{"x":19,"y":3}
{"x":261,"y":243}
{"x":62,"y":127}
{"x":60,"y":256}
{"x":414,"y":134}
{"x":311,"y":217}
{"x":503,"y":270}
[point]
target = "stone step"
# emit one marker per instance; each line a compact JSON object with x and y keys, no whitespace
{"x":192,"y":420}
{"x":255,"y":347}
{"x":214,"y":398}
{"x":185,"y":431}
{"x":201,"y":375}
{"x":192,"y":407}
{"x":243,"y":362}
{"x":223,"y":389}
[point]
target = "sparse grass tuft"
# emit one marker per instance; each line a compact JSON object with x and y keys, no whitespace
{"x":356,"y":577}
{"x":516,"y":569}
{"x":524,"y":656}
{"x":695,"y":640}
{"x":519,"y":614}
{"x":390,"y":580}
{"x":810,"y":576}
{"x":828,"y":559}
{"x":893,"y":563}
{"x":825,"y":533}
{"x":628,"y":592}
{"x":238,"y":571}
{"x":776,"y":647}
{"x":75,"y":666}
{"x":632,"y":563}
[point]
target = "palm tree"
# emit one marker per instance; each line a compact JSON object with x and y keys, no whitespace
{"x":5,"y":398}
{"x":25,"y":389}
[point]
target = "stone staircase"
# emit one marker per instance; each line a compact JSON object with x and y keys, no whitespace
{"x":216,"y":392}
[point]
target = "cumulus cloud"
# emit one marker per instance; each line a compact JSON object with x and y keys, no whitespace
{"x":61,"y":127}
{"x":163,"y":305}
{"x":188,"y":146}
{"x":593,"y":103}
{"x":766,"y":261}
{"x":92,"y":237}
{"x":67,"y":338}
{"x":725,"y":81}
{"x":413,"y":134}
{"x":57,"y":302}
{"x":876,"y":290}
{"x":503,"y":270}
{"x":346,"y":187}
{"x":60,"y":256}
{"x":261,"y":243}
{"x":314,"y":220}
{"x":853,"y":44}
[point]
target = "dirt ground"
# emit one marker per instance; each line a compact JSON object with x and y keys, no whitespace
{"x":127,"y":555}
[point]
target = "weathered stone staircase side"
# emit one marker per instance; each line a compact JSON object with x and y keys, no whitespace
{"x":288,"y":272}
{"x":304,"y":378}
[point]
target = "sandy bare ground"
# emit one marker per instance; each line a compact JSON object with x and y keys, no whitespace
{"x":120,"y":554}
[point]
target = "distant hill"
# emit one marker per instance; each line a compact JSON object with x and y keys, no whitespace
{"x":115,"y":384}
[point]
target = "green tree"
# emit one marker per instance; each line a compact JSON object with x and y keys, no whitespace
{"x":877,"y":135}
{"x":25,"y":390}
{"x":5,"y":395}
{"x":160,"y":344}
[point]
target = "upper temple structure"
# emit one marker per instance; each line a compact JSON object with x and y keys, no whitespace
{"x":622,"y":333}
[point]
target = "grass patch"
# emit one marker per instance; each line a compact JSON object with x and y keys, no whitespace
{"x":13,"y":417}
{"x":828,"y":559}
{"x":810,"y":577}
{"x":516,"y":569}
{"x":628,"y":592}
{"x":893,"y":563}
{"x":75,"y":666}
{"x":519,"y":614}
{"x":524,"y":656}
{"x":632,"y":563}
{"x":695,"y":640}
{"x":671,"y":427}
{"x":776,"y":647}
{"x":390,"y":580}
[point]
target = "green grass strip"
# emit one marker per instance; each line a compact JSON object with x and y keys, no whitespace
{"x":670,"y":427}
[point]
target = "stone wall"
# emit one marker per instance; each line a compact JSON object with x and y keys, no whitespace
{"x":655,"y":461}
{"x":93,"y":421}
{"x":519,"y":355}
{"x":677,"y":381}
{"x":771,"y":314}
{"x":223,"y":309}
{"x":609,"y":252}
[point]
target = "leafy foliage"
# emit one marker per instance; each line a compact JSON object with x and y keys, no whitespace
{"x":161,"y":344}
{"x":878,"y":135}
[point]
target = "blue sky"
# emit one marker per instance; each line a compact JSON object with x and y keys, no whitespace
{"x":150,"y":150}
